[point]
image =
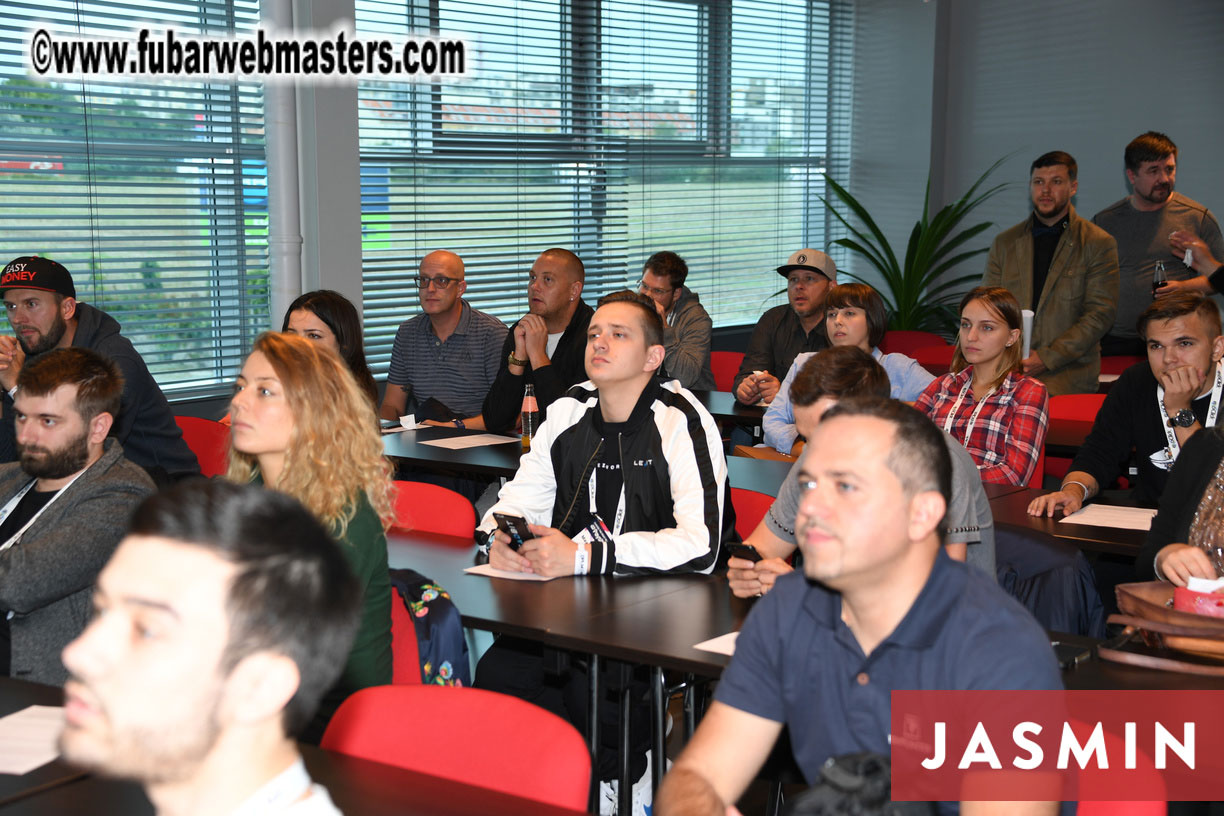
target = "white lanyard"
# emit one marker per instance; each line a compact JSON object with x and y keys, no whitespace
{"x":619,"y":521}
{"x":1212,"y":411}
{"x":972,"y":417}
{"x":12,"y":503}
{"x":279,"y":793}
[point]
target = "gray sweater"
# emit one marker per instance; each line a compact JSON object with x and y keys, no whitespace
{"x":686,"y":339}
{"x":47,"y":578}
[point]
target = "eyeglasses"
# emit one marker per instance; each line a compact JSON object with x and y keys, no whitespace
{"x":439,"y":282}
{"x":644,"y":289}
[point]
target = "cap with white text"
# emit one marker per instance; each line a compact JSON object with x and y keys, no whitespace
{"x":812,"y":259}
{"x":34,"y":272}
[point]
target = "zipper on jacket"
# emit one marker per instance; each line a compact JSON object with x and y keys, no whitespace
{"x":586,"y":470}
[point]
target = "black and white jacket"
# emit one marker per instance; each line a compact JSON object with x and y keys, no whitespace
{"x":677,"y":506}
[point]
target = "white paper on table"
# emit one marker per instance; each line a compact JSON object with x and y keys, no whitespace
{"x":485,"y":569}
{"x":473,"y":441}
{"x":409,"y":423}
{"x":27,"y":738}
{"x":723,"y":644}
{"x":1104,"y":515}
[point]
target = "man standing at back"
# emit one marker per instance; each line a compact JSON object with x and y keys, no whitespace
{"x":545,"y":347}
{"x":40,"y":299}
{"x":785,"y":331}
{"x":687,"y":327}
{"x":63,"y":507}
{"x":1141,"y":224}
{"x":1066,"y":270}
{"x":448,"y":353}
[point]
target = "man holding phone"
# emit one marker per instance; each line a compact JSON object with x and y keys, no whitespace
{"x":626,"y":476}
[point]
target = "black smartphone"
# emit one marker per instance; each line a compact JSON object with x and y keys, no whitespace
{"x":515,"y":527}
{"x":745,"y":551}
{"x":1070,"y":655}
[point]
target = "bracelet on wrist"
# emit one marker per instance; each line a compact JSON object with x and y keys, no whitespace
{"x":1087,"y":493}
{"x":514,"y":361}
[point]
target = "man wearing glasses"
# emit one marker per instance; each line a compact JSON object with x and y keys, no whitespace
{"x":687,"y":326}
{"x":449,"y":353}
{"x":785,"y":331}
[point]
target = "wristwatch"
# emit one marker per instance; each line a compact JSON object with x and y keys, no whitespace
{"x":514,"y":361}
{"x":1182,"y":419}
{"x":458,"y":423}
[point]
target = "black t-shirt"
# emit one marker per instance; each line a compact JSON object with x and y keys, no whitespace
{"x":606,"y":473}
{"x":1045,"y":241}
{"x":30,"y":503}
{"x":1130,"y":420}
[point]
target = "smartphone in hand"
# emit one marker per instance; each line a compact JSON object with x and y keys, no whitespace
{"x":745,"y":551}
{"x":515,"y":527}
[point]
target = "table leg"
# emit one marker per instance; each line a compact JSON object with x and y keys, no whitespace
{"x":593,"y":731}
{"x":625,"y":804}
{"x":658,"y":699}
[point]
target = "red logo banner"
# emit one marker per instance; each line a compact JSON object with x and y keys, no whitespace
{"x":1057,"y":745}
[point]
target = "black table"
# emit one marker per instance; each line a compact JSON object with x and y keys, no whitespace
{"x":502,"y":461}
{"x":1012,"y":509}
{"x":723,"y":406}
{"x":356,"y":785}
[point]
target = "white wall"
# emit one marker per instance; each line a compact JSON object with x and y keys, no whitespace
{"x":1085,"y":77}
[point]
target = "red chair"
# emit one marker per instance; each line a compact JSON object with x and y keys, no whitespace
{"x":405,"y":655}
{"x":469,"y":735}
{"x":750,"y":507}
{"x":1071,"y":418}
{"x":434,"y":509}
{"x":208,"y":440}
{"x":1116,"y":364}
{"x":904,"y":341}
{"x":935,"y":359}
{"x":725,"y":365}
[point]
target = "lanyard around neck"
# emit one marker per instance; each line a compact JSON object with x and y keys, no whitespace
{"x":1213,"y":410}
{"x":12,"y":503}
{"x":972,"y":417}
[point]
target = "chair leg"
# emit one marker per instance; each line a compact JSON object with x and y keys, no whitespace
{"x":773,"y":804}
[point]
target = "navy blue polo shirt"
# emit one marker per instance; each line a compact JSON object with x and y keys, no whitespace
{"x":796,"y":662}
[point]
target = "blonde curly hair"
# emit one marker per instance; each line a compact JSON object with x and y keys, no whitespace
{"x":335,"y":451}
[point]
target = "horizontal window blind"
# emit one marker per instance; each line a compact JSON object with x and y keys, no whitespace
{"x":154,"y":195}
{"x":615,"y":128}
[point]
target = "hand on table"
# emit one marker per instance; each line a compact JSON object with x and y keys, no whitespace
{"x":1066,"y":500}
{"x":748,"y":580}
{"x":550,"y":553}
{"x":1179,"y":562}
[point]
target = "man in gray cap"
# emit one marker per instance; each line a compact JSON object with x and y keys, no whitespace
{"x":784,"y":332}
{"x":40,"y":299}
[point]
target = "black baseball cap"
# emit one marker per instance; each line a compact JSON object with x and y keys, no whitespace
{"x":35,"y":272}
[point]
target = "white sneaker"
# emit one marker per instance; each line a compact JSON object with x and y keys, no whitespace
{"x":643,"y":794}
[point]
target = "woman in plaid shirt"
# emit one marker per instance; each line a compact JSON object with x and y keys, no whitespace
{"x":995,"y":411}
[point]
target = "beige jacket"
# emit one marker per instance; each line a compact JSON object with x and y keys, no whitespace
{"x":1077,"y":304}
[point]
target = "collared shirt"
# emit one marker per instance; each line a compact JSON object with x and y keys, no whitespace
{"x":796,"y":662}
{"x":458,"y":371}
{"x":1045,"y":241}
{"x":1009,"y":430}
{"x":777,"y":339}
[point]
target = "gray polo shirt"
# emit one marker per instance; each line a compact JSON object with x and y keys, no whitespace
{"x":969,"y":519}
{"x":457,"y":372}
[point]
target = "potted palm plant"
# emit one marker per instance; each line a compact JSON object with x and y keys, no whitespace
{"x":917,"y":296}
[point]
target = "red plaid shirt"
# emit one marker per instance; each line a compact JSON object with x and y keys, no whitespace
{"x":1010,"y":429}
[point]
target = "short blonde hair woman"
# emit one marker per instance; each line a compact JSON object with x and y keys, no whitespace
{"x":301,"y":425}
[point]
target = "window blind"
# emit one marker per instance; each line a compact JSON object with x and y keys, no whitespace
{"x":615,"y":128}
{"x":153,"y":195}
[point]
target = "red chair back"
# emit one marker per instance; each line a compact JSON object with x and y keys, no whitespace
{"x":208,"y":440}
{"x":904,"y":341}
{"x":935,"y":359}
{"x":1116,"y":364}
{"x":725,"y":365}
{"x":470,"y":735}
{"x":1071,"y":418}
{"x":434,"y":509}
{"x":405,"y":655}
{"x":750,"y":507}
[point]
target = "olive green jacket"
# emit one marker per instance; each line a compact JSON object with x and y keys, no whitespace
{"x":1077,"y":304}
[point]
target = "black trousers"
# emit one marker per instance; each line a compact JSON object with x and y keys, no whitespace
{"x":559,"y":682}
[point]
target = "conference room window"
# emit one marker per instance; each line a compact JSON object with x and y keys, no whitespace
{"x":613,"y":127}
{"x":153,"y":195}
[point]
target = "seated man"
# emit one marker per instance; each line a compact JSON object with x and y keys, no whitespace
{"x":450,"y":352}
{"x":626,"y":476}
{"x":830,"y":376}
{"x":785,"y":331}
{"x":195,"y":688}
{"x":545,"y":347}
{"x":877,"y":607}
{"x":1153,"y":408}
{"x":40,"y":298}
{"x":65,"y":506}
{"x":687,"y":326}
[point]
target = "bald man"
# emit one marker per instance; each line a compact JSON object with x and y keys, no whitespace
{"x":547,"y":345}
{"x":449,"y":352}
